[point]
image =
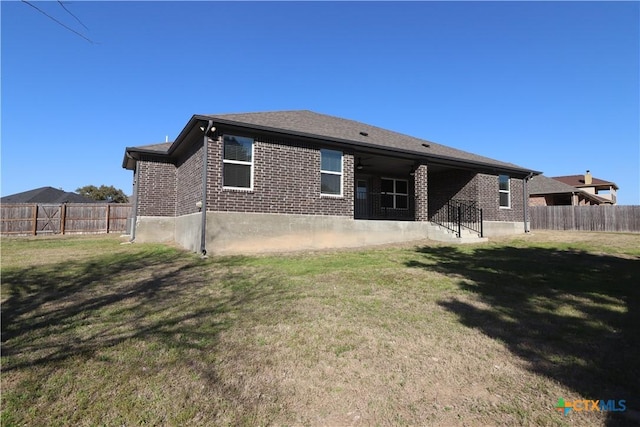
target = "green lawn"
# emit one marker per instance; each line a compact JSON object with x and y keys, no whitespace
{"x":99,"y":333}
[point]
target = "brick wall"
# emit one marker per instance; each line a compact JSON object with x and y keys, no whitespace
{"x":481,"y":188}
{"x":286,"y":180}
{"x":451,"y":184}
{"x":189,"y":179}
{"x":156,"y":187}
{"x":421,"y":184}
{"x":551,"y":200}
{"x":489,"y":199}
{"x":537,"y":201}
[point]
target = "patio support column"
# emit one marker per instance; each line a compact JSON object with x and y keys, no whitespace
{"x":421,"y":193}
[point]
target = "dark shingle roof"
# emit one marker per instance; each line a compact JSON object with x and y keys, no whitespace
{"x":540,"y":184}
{"x":309,"y":123}
{"x":131,"y":153}
{"x":544,"y":185}
{"x":46,"y":195}
{"x":160,"y":148}
{"x":578,"y":181}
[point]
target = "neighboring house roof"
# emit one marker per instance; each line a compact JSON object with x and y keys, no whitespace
{"x":308,"y":124}
{"x":578,"y":181}
{"x":540,"y":184}
{"x":46,"y":195}
{"x":544,"y":185}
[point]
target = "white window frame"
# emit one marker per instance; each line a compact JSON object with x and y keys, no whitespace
{"x":395,"y":192}
{"x":507,"y":192}
{"x":239,"y":162}
{"x":341,"y":173}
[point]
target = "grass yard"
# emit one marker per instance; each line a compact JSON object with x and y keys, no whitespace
{"x":99,"y":333}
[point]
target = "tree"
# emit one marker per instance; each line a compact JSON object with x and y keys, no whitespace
{"x":103,"y":193}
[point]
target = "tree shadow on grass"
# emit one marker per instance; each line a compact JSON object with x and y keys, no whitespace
{"x":78,"y":310}
{"x":55,"y":299}
{"x":571,"y":315}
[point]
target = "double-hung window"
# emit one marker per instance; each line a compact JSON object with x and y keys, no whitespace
{"x":237,"y":162}
{"x":395,"y":193}
{"x":331,"y":172}
{"x":504,"y":190}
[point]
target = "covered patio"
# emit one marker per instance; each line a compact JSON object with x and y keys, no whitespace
{"x":386,"y":188}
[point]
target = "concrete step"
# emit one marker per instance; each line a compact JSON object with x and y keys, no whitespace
{"x":442,"y":234}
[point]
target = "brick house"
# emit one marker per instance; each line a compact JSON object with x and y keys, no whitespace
{"x":288,"y":180}
{"x":544,"y":191}
{"x":605,"y":191}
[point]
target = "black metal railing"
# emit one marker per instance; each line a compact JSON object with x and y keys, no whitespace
{"x":384,"y":206}
{"x":458,"y":214}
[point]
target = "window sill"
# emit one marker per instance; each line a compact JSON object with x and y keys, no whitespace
{"x":237,"y":190}
{"x":332,"y":196}
{"x":505,"y":207}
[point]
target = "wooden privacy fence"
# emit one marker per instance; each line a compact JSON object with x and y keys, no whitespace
{"x":32,"y":219}
{"x":586,"y":218}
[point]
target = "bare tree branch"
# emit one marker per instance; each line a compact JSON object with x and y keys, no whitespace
{"x":58,"y":22}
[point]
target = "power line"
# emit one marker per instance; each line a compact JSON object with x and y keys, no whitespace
{"x":70,"y":13}
{"x":58,"y":22}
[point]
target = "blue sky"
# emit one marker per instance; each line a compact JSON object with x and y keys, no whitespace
{"x":551,"y":86}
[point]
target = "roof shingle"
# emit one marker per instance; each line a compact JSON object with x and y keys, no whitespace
{"x":309,"y":124}
{"x":544,"y":185}
{"x":349,"y":131}
{"x":160,"y":148}
{"x":578,"y":181}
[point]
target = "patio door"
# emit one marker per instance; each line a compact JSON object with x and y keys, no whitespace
{"x":361,"y":203}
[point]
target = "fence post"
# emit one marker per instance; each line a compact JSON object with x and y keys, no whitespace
{"x":481,"y":225}
{"x":459,"y":220}
{"x":63,"y":217}
{"x":108,"y":214}
{"x":35,"y":219}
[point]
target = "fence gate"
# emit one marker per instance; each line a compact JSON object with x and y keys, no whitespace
{"x":48,"y":219}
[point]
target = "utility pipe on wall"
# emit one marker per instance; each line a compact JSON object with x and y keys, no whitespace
{"x":134,"y":217}
{"x":205,"y":165}
{"x":525,"y":197}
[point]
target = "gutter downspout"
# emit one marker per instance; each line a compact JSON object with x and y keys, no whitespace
{"x":134,"y":217}
{"x":525,"y":193}
{"x":205,"y":165}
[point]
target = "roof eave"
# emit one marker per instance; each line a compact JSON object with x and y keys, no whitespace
{"x":577,"y":191}
{"x":601,"y":186}
{"x":543,"y":193}
{"x":132,"y":154}
{"x":193,"y":121}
